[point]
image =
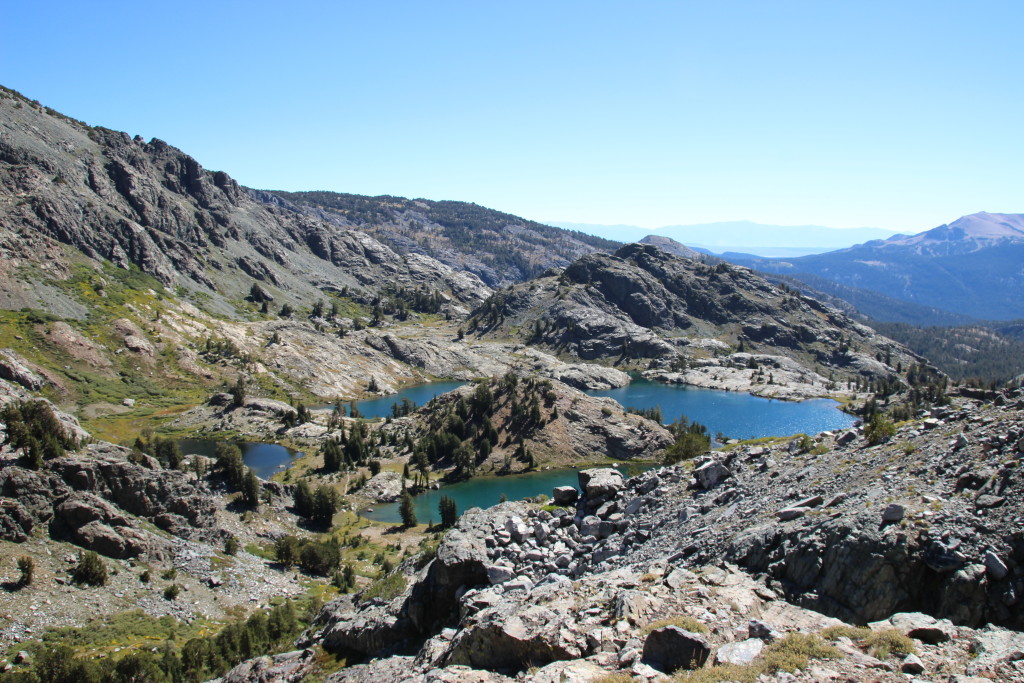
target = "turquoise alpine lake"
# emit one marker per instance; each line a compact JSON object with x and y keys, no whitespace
{"x":484,"y":492}
{"x":419,"y":394}
{"x":736,"y":415}
{"x":265,"y":459}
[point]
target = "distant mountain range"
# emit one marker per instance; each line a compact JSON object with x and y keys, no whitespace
{"x":743,"y":237}
{"x":973,"y":266}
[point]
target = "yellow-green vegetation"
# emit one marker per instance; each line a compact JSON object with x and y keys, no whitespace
{"x":617,"y":677}
{"x":683,"y":621}
{"x":760,"y":441}
{"x":878,"y":643}
{"x":388,"y":588}
{"x":834,"y":633}
{"x":787,"y":654}
{"x":123,"y":646}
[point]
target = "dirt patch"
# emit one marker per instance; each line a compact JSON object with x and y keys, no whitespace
{"x":102,"y":409}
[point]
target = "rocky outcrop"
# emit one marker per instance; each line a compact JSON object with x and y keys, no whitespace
{"x":14,"y":368}
{"x":619,"y":616}
{"x":91,"y":522}
{"x":168,"y":498}
{"x":566,"y":427}
{"x":288,"y":667}
{"x":511,"y":637}
{"x":644,"y":303}
{"x":95,"y":499}
{"x":150,"y":205}
{"x":860,"y":531}
{"x":385,"y":487}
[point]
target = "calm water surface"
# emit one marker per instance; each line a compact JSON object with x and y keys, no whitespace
{"x":419,"y":394}
{"x":737,"y":415}
{"x":265,"y":459}
{"x":484,"y":492}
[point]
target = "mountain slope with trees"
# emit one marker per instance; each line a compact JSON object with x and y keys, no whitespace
{"x":149,"y":206}
{"x":645,"y":308}
{"x":499,"y":248}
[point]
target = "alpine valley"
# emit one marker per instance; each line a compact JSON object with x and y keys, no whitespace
{"x":145,"y":300}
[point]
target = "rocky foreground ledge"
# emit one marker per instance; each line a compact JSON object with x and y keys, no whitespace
{"x":717,"y":562}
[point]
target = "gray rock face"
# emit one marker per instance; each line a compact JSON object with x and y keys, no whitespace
{"x":564,"y":495}
{"x":385,"y":487}
{"x":90,"y":501}
{"x":599,"y":485}
{"x":513,"y":637}
{"x":740,"y":653}
{"x":670,"y":648}
{"x":288,"y":667}
{"x":91,"y":522}
{"x":993,"y":646}
{"x":14,"y":368}
{"x":151,"y":205}
{"x":364,"y":629}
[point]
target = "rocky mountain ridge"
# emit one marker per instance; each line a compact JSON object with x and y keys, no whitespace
{"x":149,"y":205}
{"x":645,"y":307}
{"x":499,"y":248}
{"x":969,"y":267}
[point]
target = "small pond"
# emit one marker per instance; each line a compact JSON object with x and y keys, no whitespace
{"x":419,"y":394}
{"x":265,"y":459}
{"x":484,"y":492}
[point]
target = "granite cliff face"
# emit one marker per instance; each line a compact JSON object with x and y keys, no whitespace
{"x":149,"y":205}
{"x":674,"y":313}
{"x":499,"y":248}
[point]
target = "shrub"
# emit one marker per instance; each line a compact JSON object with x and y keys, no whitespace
{"x":388,"y":588}
{"x":844,"y":631}
{"x":27,"y":567}
{"x":889,"y":641}
{"x":879,"y":429}
{"x":171,"y":592}
{"x":91,"y":570}
{"x":794,"y":651}
{"x":231,"y":545}
{"x":687,"y":623}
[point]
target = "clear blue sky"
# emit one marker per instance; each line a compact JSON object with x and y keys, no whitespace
{"x":900,"y":115}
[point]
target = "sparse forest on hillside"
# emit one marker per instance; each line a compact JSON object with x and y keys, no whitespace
{"x":508,"y":248}
{"x":967,"y":354}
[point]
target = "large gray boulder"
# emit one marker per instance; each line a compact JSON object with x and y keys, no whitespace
{"x":670,"y":648}
{"x":514,"y":637}
{"x":287,"y":667}
{"x":364,"y":629}
{"x":599,"y":485}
